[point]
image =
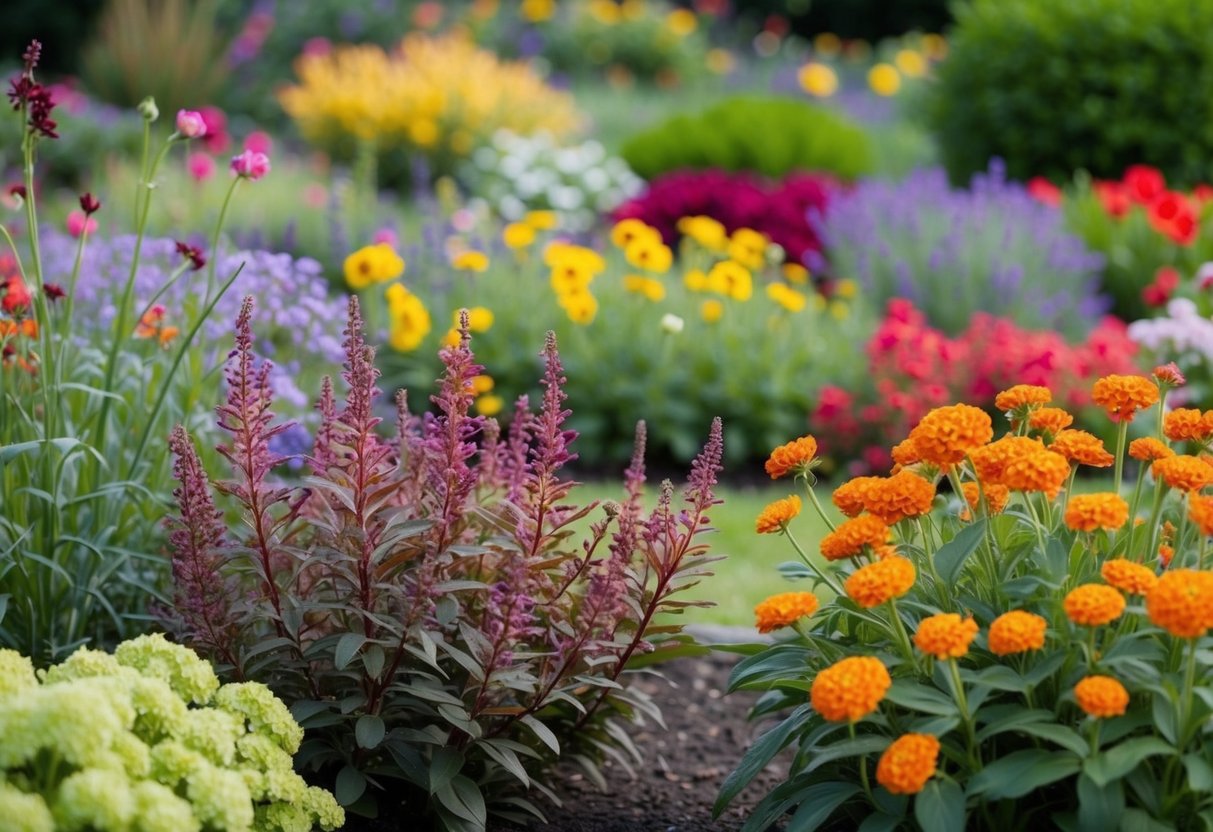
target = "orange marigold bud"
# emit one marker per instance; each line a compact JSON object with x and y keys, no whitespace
{"x":783,"y":610}
{"x":1169,"y":374}
{"x":1148,"y":449}
{"x":1052,"y":420}
{"x":1165,"y":553}
{"x":908,"y":763}
{"x":1088,"y":512}
{"x":906,"y":452}
{"x":888,"y":578}
{"x":850,"y":689}
{"x":1185,"y":424}
{"x":852,"y":535}
{"x":1183,"y":472}
{"x":1123,"y":396}
{"x":1182,"y":602}
{"x":1016,"y":632}
{"x":1101,"y":696}
{"x":849,"y":497}
{"x":945,"y":635}
{"x":777,"y":515}
{"x":1022,"y":396}
{"x":1200,"y":512}
{"x":796,"y":456}
{"x":996,"y":495}
{"x":946,"y":435}
{"x":1093,"y":605}
{"x":989,"y":461}
{"x":1081,"y":447}
{"x":892,"y":499}
{"x":1042,"y":471}
{"x":1128,"y":576}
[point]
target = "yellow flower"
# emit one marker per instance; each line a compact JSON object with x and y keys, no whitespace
{"x":489,"y":405}
{"x":537,"y":11}
{"x":571,"y":276}
{"x":912,"y":64}
{"x":846,"y":288}
{"x":581,"y":307}
{"x":682,"y":22}
{"x":472,"y":261}
{"x":706,"y":231}
{"x":935,"y":46}
{"x":649,"y":254}
{"x":651,"y":288}
{"x":789,"y":299}
{"x":884,"y":79}
{"x":748,"y":247}
{"x":827,"y":44}
{"x":481,"y":384}
{"x":732,"y":279}
{"x":372,"y":264}
{"x":518,"y":235}
{"x":560,"y":254}
{"x":818,"y":79}
{"x":410,"y":323}
{"x":711,"y":310}
{"x":451,"y":338}
{"x":695,"y":280}
{"x":720,"y":61}
{"x":541,"y":220}
{"x":795,"y":273}
{"x":626,"y":232}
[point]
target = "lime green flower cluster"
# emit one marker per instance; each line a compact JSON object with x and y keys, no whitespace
{"x":146,"y":740}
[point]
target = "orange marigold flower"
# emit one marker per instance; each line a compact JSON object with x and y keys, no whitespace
{"x":906,"y":452}
{"x":946,"y":435}
{"x":991,"y":460}
{"x":795,"y":457}
{"x":1081,"y":447}
{"x":1050,"y":420}
{"x":849,"y":497}
{"x":908,"y":763}
{"x":1183,"y":472}
{"x":850,"y":689}
{"x":1088,"y":512}
{"x":1185,"y":424}
{"x":1200,"y":512}
{"x":852,"y":535}
{"x":995,"y":493}
{"x":945,"y":636}
{"x":777,"y":515}
{"x":892,"y":499}
{"x":1127,"y":576}
{"x":887,"y":578}
{"x":783,"y":610}
{"x":1148,"y":449}
{"x":1123,"y":396}
{"x":1165,"y":553}
{"x":1022,"y":396}
{"x":1043,"y":471}
{"x":1181,"y":602}
{"x":1093,"y":605}
{"x":1101,"y":696}
{"x":1016,"y":632}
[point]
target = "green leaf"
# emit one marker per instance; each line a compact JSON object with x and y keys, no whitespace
{"x":1020,"y":772}
{"x":758,"y":755}
{"x":1200,"y":773}
{"x":1067,"y":738}
{"x":1138,"y":820}
{"x":1099,"y":807}
{"x":949,"y":560}
{"x":1164,"y":716}
{"x":347,"y":646}
{"x":921,"y":698}
{"x":1117,"y":761}
{"x":302,"y":709}
{"x":507,"y":759}
{"x":940,"y":806}
{"x":999,"y":677}
{"x":446,"y":763}
{"x":373,"y":660}
{"x":817,"y":803}
{"x":462,"y":797}
{"x":845,"y":748}
{"x":543,"y":732}
{"x":350,"y":785}
{"x":369,"y":731}
{"x":880,"y":822}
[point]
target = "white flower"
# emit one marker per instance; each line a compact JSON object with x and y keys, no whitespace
{"x":671,"y":323}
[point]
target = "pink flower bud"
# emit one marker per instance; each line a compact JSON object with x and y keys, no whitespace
{"x":78,"y":223}
{"x":190,"y":124}
{"x":385,"y":236}
{"x":201,"y":166}
{"x":259,"y":142}
{"x":251,"y":165}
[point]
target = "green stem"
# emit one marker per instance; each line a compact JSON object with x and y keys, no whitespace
{"x":1185,"y":715}
{"x":821,"y":575}
{"x":902,"y":636}
{"x":863,"y":766}
{"x":212,"y":263}
{"x":1122,"y":433}
{"x":962,"y":703}
{"x":825,"y":518}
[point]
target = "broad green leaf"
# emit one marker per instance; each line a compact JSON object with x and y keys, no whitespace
{"x":1200,"y":773}
{"x":758,"y":755}
{"x":817,"y":804}
{"x":373,"y":660}
{"x":1117,"y":761}
{"x":369,"y":731}
{"x":844,"y":748}
{"x":304,"y":708}
{"x":445,"y":764}
{"x":1020,"y":772}
{"x":542,"y":732}
{"x":880,"y":822}
{"x":462,"y":797}
{"x":940,"y":807}
{"x":1099,"y":807}
{"x":349,"y":786}
{"x":507,"y":759}
{"x":921,"y":698}
{"x":347,"y":646}
{"x":1138,"y":820}
{"x":950,"y":559}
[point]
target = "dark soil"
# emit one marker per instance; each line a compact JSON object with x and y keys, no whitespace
{"x":684,"y":765}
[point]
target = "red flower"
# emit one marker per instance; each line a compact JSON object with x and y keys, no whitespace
{"x":1172,"y":214}
{"x":1042,"y":190}
{"x":1144,"y":183}
{"x":1114,"y":197}
{"x":1166,"y":281}
{"x":16,"y":296}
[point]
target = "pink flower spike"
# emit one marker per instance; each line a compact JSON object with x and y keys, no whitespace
{"x":385,"y":236}
{"x":259,"y":142}
{"x":78,"y":223}
{"x":190,"y":124}
{"x":251,"y":165}
{"x":201,"y":166}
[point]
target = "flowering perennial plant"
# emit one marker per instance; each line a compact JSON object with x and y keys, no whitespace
{"x":147,"y":738}
{"x":1037,"y":664}
{"x":424,"y":603}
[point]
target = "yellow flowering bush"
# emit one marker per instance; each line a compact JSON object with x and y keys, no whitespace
{"x":442,"y":97}
{"x":1019,"y":655}
{"x":146,"y":739}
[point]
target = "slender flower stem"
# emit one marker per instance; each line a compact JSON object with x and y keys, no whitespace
{"x":821,"y":575}
{"x":1185,"y":715}
{"x":902,"y":636}
{"x":863,"y":766}
{"x":211,"y":265}
{"x":1122,"y":433}
{"x":825,"y":518}
{"x":958,"y":690}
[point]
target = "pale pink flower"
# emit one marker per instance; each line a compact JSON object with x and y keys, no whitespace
{"x":385,"y":236}
{"x":78,"y":223}
{"x":251,"y":165}
{"x":201,"y":166}
{"x":190,"y":124}
{"x":259,"y":142}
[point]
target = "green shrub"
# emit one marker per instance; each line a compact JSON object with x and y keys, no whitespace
{"x":771,"y":136}
{"x":1094,"y":84}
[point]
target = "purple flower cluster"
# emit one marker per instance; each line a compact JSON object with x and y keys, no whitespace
{"x":296,"y":320}
{"x":988,"y":248}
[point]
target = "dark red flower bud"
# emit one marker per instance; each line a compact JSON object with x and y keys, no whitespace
{"x":53,"y":291}
{"x":89,"y":204}
{"x":193,"y":254}
{"x":17,"y":190}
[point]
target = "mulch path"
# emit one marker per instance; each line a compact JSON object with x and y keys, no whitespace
{"x":684,"y":765}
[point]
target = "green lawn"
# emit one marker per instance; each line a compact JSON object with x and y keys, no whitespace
{"x":749,"y":571}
